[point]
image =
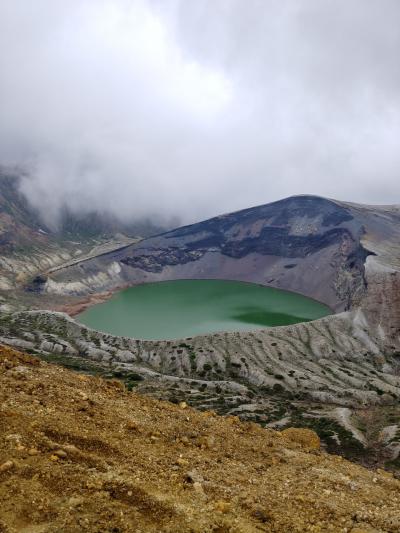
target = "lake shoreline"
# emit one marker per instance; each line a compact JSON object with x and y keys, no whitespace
{"x":74,"y":309}
{"x":186,"y":307}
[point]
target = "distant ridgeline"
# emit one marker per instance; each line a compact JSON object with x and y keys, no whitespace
{"x":28,"y":246}
{"x":22,"y":217}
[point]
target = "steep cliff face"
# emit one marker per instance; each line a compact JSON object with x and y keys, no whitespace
{"x":382,"y":302}
{"x":306,"y":244}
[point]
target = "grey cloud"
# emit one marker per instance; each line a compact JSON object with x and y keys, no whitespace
{"x":196,"y":107}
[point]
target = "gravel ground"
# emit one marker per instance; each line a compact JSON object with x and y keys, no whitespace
{"x":79,"y":453}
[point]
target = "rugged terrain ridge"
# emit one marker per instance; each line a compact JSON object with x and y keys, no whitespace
{"x":311,"y":245}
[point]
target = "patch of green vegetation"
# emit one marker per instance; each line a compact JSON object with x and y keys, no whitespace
{"x":73,"y":363}
{"x":96,"y":341}
{"x":330,"y":432}
{"x":81,"y":365}
{"x":278,"y":388}
{"x":131,"y":379}
{"x":393,"y":464}
{"x":31,"y":351}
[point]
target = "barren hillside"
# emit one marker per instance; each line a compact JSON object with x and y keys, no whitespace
{"x":78,"y":453}
{"x":311,"y":245}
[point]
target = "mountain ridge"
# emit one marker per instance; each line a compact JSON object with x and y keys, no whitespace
{"x":311,"y":245}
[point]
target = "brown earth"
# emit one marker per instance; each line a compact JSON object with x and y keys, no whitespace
{"x":79,"y":453}
{"x":81,"y":304}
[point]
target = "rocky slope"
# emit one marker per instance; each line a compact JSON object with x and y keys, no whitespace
{"x":307,"y":244}
{"x":339,"y":375}
{"x":78,"y":453}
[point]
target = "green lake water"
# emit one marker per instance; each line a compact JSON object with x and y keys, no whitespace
{"x":184,"y":308}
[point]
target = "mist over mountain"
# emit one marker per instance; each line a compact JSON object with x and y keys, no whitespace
{"x":144,"y":107}
{"x":23,"y":223}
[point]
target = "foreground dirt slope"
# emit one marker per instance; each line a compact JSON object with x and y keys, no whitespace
{"x":78,"y":453}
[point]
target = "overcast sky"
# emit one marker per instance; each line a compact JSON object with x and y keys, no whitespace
{"x":193,"y":108}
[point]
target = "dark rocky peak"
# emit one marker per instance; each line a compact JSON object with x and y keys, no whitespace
{"x":312,"y":211}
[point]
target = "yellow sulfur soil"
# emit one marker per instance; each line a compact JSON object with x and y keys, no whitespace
{"x":79,"y":454}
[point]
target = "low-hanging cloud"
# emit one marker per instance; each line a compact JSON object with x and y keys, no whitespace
{"x":191,"y":108}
